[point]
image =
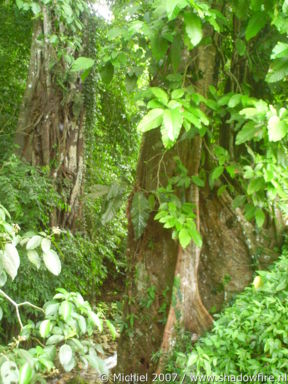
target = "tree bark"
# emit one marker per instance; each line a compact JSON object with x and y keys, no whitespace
{"x":51,"y":122}
{"x":187,"y":283}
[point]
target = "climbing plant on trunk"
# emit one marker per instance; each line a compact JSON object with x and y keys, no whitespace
{"x":52,"y":118}
{"x":204,"y":182}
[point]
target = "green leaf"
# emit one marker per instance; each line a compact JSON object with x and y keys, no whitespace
{"x":160,"y":94}
{"x":65,"y":310}
{"x":196,"y":237}
{"x":55,"y":339}
{"x":173,"y":7}
{"x":217,"y":172}
{"x":35,"y":8}
{"x":235,"y":100}
{"x":177,"y":93}
{"x":256,"y":23}
{"x":278,"y":70}
{"x":159,"y":47}
{"x":65,"y":354}
{"x":277,"y":129}
{"x":152,"y":120}
{"x":184,"y":237}
{"x":280,"y":51}
{"x":96,"y":320}
{"x":140,"y":212}
{"x":255,"y":185}
{"x":171,"y":127}
{"x":259,"y":217}
{"x":34,"y":242}
{"x":52,"y":262}
{"x":193,"y":27}
{"x":241,"y":47}
{"x":81,"y":64}
{"x":45,"y":245}
{"x":247,"y":132}
{"x":11,"y":260}
{"x":9,"y":372}
{"x":45,"y":328}
{"x":3,"y":279}
{"x":25,"y":374}
{"x":107,"y":72}
{"x":51,"y":309}
{"x":198,"y":181}
{"x":34,"y":258}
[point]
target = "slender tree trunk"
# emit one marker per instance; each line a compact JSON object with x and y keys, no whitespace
{"x":51,"y":121}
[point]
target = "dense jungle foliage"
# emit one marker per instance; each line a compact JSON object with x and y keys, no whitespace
{"x":143,"y":188}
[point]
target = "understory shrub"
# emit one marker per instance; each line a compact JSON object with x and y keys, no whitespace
{"x":250,"y":337}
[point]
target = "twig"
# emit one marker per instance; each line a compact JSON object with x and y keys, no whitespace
{"x":19,"y":305}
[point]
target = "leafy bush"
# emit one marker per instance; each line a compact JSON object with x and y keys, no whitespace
{"x":28,"y":193}
{"x":250,"y":337}
{"x":68,"y":322}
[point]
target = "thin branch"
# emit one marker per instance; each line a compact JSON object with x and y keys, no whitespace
{"x":8,"y":298}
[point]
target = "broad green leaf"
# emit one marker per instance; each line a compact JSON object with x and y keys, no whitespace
{"x":280,"y":51}
{"x":198,"y":181}
{"x":65,"y":310}
{"x":247,"y":132}
{"x":256,"y":23}
{"x":25,"y":374}
{"x":177,"y":93}
{"x":35,"y":8}
{"x":173,"y":7}
{"x":107,"y":72}
{"x":11,"y":260}
{"x":184,"y":237}
{"x":55,"y":339}
{"x":278,"y":70}
{"x":51,"y":309}
{"x":159,"y":46}
{"x":82,"y":324}
{"x":171,"y":127}
{"x":1,"y":313}
{"x":96,"y":320}
{"x":241,"y":47}
{"x":235,"y":100}
{"x":34,"y":258}
{"x":255,"y":185}
{"x":65,"y":354}
{"x":140,"y":212}
{"x":34,"y":242}
{"x":217,"y":172}
{"x":45,"y":245}
{"x":193,"y":27}
{"x":160,"y":94}
{"x":9,"y":372}
{"x":45,"y":328}
{"x":52,"y":262}
{"x":196,"y":237}
{"x":277,"y":129}
{"x":152,"y":120}
{"x":81,"y":64}
{"x":3,"y":278}
{"x":68,"y":367}
{"x":259,"y":217}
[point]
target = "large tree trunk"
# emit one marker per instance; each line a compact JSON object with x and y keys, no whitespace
{"x":200,"y":276}
{"x":51,"y":121}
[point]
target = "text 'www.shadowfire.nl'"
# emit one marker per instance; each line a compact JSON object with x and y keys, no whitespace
{"x":191,"y":378}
